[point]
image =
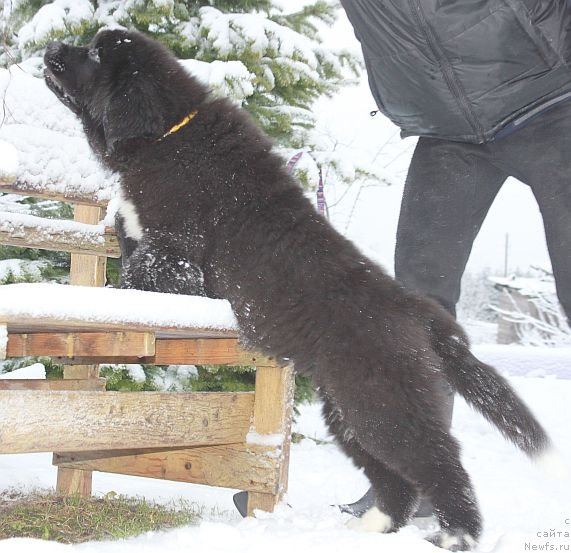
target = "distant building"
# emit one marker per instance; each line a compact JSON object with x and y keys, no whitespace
{"x":529,"y":310}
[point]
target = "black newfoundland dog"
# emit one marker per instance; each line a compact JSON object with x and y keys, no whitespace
{"x":215,"y":213}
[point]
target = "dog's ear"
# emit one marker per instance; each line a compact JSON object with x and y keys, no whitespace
{"x":133,"y":114}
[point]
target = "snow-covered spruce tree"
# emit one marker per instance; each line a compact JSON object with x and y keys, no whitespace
{"x":268,"y":59}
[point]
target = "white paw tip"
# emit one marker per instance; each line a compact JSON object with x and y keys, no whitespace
{"x":454,"y":542}
{"x":374,"y":520}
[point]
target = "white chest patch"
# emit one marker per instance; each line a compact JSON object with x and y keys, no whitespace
{"x":131,"y":221}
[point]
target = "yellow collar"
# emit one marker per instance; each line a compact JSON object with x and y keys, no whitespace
{"x":181,"y":124}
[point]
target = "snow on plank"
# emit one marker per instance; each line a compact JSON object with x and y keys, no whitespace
{"x":56,"y":165}
{"x":29,"y":231}
{"x":45,"y":306}
{"x":8,"y":161}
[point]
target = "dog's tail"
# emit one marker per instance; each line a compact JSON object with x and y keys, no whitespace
{"x":490,"y":394}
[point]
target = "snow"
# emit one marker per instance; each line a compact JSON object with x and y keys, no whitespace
{"x":54,"y":17}
{"x":8,"y":160}
{"x":32,"y":372}
{"x":264,"y":439}
{"x":226,"y":78}
{"x":526,"y":286}
{"x":173,"y":377}
{"x":517,"y":360}
{"x":136,"y":372}
{"x":19,"y":268}
{"x":40,"y":129}
{"x":228,"y":32}
{"x":17,"y":222}
{"x":44,"y":166}
{"x":108,"y":305}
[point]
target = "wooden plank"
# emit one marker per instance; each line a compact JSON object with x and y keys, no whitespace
{"x":273,"y":413}
{"x":86,"y":421}
{"x":239,"y":466}
{"x":18,"y":324}
{"x":13,"y":186}
{"x":93,"y":384}
{"x":221,"y":351}
{"x":131,"y":347}
{"x":33,"y":237}
{"x":82,"y":344}
{"x":196,"y":351}
{"x":41,"y":233}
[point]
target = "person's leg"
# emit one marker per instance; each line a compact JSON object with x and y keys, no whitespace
{"x":449,"y":189}
{"x":539,"y":155}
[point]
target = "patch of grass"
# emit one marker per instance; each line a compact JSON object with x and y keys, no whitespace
{"x":74,"y":519}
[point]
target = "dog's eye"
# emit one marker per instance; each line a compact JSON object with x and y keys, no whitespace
{"x":93,"y":54}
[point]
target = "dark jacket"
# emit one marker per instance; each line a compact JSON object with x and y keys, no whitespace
{"x":463,"y":69}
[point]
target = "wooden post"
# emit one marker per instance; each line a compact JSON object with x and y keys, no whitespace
{"x":273,"y":411}
{"x":3,"y":341}
{"x":86,"y":270}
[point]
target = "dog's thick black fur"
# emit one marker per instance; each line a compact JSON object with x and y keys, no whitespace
{"x":217,"y":214}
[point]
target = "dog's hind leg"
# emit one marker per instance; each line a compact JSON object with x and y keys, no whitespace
{"x":395,"y":498}
{"x":437,"y":471}
{"x":404,"y":460}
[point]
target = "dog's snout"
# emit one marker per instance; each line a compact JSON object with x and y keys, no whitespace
{"x":53,"y":58}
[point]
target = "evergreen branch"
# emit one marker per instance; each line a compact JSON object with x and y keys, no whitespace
{"x":301,"y":21}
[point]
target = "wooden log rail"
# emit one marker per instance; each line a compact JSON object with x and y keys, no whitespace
{"x":14,"y":185}
{"x":95,"y":421}
{"x":30,"y":231}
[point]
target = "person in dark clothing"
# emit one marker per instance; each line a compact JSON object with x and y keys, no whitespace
{"x":485,"y":85}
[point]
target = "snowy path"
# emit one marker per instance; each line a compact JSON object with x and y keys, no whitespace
{"x":518,"y":501}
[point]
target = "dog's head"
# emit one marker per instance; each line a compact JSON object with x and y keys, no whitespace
{"x":125,"y":83}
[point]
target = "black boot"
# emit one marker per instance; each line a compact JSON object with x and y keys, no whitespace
{"x":360,"y":507}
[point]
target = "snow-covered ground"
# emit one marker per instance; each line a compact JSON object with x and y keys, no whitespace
{"x":522,"y":506}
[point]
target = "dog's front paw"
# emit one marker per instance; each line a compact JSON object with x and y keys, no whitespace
{"x":458,"y":540}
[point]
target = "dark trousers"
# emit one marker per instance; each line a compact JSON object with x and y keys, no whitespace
{"x":450,"y":187}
